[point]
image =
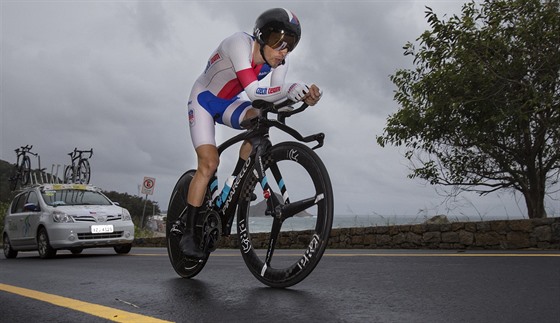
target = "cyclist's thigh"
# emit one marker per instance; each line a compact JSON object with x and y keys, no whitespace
{"x":201,"y":125}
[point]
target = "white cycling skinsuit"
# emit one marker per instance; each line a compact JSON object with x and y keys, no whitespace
{"x":230,"y":71}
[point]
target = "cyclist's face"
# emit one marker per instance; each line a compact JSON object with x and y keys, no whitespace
{"x":275,"y":57}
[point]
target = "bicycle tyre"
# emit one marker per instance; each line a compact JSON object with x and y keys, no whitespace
{"x":14,"y":178}
{"x":301,"y":168}
{"x":68,"y":174}
{"x":25,"y":170}
{"x":185,"y":267}
{"x":84,"y":171}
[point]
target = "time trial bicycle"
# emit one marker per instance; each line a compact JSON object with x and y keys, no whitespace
{"x":286,"y":183}
{"x":79,"y":171}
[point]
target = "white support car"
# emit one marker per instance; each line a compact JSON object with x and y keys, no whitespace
{"x":51,"y":217}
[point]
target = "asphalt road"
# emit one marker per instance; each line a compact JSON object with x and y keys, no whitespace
{"x":347,"y":286}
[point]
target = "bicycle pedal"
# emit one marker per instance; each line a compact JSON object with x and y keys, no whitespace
{"x":177,"y":228}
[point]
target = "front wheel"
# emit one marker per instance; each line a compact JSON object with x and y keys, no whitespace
{"x":44,"y":246}
{"x":123,"y":248}
{"x":84,"y":172}
{"x":76,"y":251}
{"x":14,"y":178}
{"x":295,"y":201}
{"x":25,"y":171}
{"x":184,"y":266}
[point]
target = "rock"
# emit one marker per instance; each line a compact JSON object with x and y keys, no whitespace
{"x":438,"y":219}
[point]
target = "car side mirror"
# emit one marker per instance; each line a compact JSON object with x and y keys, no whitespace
{"x":31,"y":207}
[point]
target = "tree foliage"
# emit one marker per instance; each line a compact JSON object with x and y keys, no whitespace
{"x":135,"y":205}
{"x":480,"y":109}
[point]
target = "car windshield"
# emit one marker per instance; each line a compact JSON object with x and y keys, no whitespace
{"x":74,"y":197}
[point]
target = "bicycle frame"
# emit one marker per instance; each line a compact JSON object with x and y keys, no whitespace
{"x":21,"y":154}
{"x":77,"y":155}
{"x":225,"y":203}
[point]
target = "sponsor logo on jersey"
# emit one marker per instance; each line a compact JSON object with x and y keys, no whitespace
{"x":261,"y":90}
{"x":274,"y":90}
{"x":191,"y":117}
{"x":215,"y":58}
{"x":212,"y":60}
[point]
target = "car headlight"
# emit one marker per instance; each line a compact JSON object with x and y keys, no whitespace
{"x":126,"y":215}
{"x":62,"y":217}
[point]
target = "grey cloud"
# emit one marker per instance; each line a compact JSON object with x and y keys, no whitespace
{"x":115,"y":77}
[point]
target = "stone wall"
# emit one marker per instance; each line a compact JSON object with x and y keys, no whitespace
{"x":491,"y":235}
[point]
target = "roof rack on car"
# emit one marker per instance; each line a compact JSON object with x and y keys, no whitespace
{"x":24,"y":176}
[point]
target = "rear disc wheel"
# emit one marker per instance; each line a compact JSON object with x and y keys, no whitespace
{"x":185,"y":267}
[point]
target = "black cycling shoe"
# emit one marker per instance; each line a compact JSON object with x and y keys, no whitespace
{"x":185,"y":226}
{"x":190,"y":248}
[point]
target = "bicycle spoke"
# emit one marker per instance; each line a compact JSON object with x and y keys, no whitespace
{"x":289,"y":210}
{"x":276,"y":226}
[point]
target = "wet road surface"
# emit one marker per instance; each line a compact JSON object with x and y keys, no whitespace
{"x":346,"y":286}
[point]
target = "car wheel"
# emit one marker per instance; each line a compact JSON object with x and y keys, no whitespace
{"x":9,"y":252}
{"x":43,"y":245}
{"x":122,"y":249}
{"x":76,"y":251}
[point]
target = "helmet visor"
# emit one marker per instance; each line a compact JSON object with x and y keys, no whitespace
{"x":280,"y":40}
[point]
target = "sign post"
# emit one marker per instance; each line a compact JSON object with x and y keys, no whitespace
{"x":148,"y":185}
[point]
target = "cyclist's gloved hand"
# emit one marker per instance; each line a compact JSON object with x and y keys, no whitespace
{"x":297,"y":91}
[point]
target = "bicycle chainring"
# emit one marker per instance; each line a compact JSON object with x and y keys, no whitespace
{"x":211,"y":231}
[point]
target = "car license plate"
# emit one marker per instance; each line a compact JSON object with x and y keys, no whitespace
{"x":108,"y":228}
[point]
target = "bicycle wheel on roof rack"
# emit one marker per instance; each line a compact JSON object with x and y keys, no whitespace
{"x":300,"y":183}
{"x":84,"y":172}
{"x":25,"y":171}
{"x":14,"y":178}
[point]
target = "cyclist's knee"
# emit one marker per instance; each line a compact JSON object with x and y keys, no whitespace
{"x":208,"y":161}
{"x":245,"y":150}
{"x":207,"y":167}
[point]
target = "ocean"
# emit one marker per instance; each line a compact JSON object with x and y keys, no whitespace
{"x":264,"y":224}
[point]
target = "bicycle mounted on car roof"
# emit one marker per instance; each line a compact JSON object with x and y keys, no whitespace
{"x":295,"y":169}
{"x":79,"y":171}
{"x":22,"y":172}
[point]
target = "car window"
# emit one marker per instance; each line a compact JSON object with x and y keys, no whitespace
{"x":74,"y":197}
{"x":18,"y":203}
{"x":32,"y":198}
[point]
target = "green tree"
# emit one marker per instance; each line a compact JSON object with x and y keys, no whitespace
{"x":3,"y":210}
{"x":480,"y":108}
{"x":134,"y":205}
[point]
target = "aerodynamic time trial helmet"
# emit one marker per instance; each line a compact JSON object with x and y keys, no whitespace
{"x":278,"y":28}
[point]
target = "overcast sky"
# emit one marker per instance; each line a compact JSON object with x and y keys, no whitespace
{"x":115,"y":76}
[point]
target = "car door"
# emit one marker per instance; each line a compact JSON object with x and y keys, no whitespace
{"x":15,"y":219}
{"x":32,"y":215}
{"x":23,"y":220}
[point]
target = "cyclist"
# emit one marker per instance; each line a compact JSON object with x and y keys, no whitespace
{"x":240,"y":63}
